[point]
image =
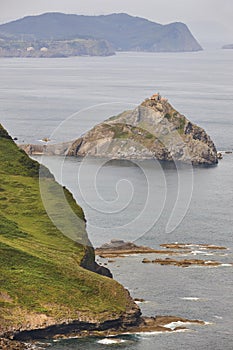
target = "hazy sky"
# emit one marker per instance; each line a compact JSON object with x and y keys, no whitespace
{"x":217,"y":14}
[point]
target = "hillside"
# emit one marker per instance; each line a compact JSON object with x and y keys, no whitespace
{"x":42,"y":282}
{"x":124,"y":32}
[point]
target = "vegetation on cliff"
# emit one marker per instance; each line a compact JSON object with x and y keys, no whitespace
{"x":42,"y":282}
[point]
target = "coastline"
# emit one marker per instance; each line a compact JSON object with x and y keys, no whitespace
{"x":131,"y":322}
{"x":28,"y":340}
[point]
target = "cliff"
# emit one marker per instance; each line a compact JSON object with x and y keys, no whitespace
{"x":122,"y":31}
{"x":47,"y":284}
{"x":152,"y":130}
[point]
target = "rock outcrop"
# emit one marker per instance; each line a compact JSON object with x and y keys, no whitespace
{"x":89,"y":263}
{"x":109,"y":329}
{"x":152,"y":130}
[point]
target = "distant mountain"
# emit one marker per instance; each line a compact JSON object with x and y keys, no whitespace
{"x":124,"y":32}
{"x":230,"y":46}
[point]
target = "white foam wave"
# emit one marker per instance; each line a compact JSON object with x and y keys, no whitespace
{"x":126,"y":255}
{"x":141,"y":302}
{"x":197,"y":252}
{"x":173,"y":325}
{"x":190,"y":298}
{"x":148,"y":333}
{"x":141,"y":334}
{"x":108,"y":341}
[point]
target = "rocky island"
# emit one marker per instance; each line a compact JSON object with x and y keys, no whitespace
{"x":153,"y":130}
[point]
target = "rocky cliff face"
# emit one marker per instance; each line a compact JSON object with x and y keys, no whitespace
{"x":153,"y":130}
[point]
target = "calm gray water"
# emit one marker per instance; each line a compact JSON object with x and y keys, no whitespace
{"x":134,"y":201}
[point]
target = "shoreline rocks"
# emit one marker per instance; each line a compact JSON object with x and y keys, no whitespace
{"x":144,"y":324}
{"x":190,"y":245}
{"x":183,"y":263}
{"x":7,"y":344}
{"x":117,"y":248}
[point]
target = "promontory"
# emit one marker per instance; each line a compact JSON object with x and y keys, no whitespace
{"x":51,"y":285}
{"x":50,"y":282}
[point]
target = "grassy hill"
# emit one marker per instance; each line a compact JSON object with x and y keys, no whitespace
{"x":124,"y":32}
{"x":41,"y":280}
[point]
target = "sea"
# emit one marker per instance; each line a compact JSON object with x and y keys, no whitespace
{"x":145,"y":202}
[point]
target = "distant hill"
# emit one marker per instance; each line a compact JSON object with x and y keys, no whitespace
{"x":124,"y":32}
{"x":230,"y":46}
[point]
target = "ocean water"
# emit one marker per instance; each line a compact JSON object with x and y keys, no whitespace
{"x":146,"y":202}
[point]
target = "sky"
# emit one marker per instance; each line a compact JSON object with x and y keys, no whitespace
{"x":209,"y":20}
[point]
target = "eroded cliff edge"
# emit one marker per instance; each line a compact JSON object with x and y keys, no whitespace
{"x":45,"y":285}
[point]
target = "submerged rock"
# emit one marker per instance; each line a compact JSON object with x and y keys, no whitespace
{"x":185,"y":262}
{"x":191,"y":245}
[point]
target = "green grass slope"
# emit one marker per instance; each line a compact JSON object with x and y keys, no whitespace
{"x":41,"y":281}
